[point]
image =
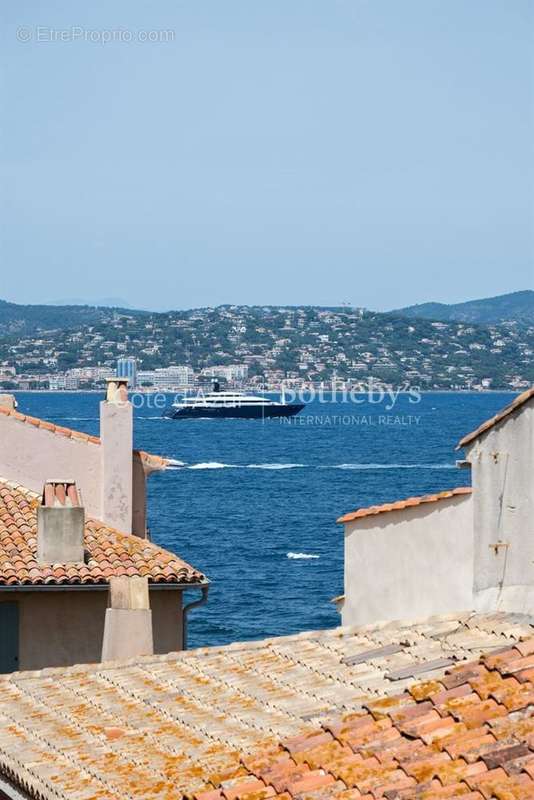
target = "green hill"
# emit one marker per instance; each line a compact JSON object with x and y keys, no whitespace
{"x":299,"y":343}
{"x":514,"y":307}
{"x":26,"y":320}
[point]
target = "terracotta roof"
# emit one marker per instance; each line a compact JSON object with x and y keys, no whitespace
{"x":468,"y":735}
{"x":108,"y":552}
{"x":298,"y":716}
{"x":519,"y":401}
{"x":399,"y":505}
{"x":149,"y":460}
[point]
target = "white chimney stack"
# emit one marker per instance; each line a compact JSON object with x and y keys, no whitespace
{"x":8,"y":401}
{"x":60,"y":524}
{"x":116,"y":435}
{"x":128,"y":627}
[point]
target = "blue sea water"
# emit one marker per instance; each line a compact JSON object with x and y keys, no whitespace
{"x":255,"y":504}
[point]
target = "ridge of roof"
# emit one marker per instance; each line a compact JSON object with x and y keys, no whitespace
{"x":399,"y":505}
{"x":337,"y":713}
{"x":148,"y":459}
{"x":110,"y":552}
{"x":519,"y":401}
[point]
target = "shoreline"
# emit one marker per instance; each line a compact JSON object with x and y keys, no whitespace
{"x":255,"y":389}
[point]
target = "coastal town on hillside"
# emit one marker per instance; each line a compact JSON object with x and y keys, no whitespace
{"x":267,"y":346}
{"x":267,"y":401}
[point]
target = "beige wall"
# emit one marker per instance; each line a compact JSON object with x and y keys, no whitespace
{"x":411,"y":563}
{"x":67,"y":627}
{"x":502,"y":463}
{"x":111,"y":479}
{"x":30,"y":456}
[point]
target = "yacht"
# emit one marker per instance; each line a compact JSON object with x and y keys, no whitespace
{"x":230,"y":405}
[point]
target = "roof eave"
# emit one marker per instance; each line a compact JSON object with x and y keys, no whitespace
{"x":150,"y":462}
{"x":516,"y":405}
{"x":104,"y":585}
{"x":403,"y":505}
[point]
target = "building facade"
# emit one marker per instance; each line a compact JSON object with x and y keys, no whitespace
{"x":64,"y":542}
{"x":463,"y":548}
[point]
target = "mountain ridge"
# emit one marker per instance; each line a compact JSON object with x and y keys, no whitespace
{"x":512,"y":307}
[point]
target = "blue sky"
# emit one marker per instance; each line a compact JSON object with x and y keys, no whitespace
{"x":375,"y":152}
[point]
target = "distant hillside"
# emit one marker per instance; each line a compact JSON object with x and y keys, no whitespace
{"x":30,"y":320}
{"x":27,"y":320}
{"x":514,"y":307}
{"x":276,"y":343}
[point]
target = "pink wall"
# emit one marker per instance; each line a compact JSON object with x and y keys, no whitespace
{"x":110,"y":477}
{"x":31,"y":455}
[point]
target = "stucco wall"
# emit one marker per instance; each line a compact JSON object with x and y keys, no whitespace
{"x":67,"y":627}
{"x":409,"y":563}
{"x":30,"y":455}
{"x":112,"y":481}
{"x":503,"y":481}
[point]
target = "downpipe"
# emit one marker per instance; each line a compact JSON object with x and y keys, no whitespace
{"x":186,"y":609}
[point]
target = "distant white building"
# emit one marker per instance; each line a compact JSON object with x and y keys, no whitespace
{"x":57,"y":383}
{"x":91,"y":373}
{"x":167,"y":377}
{"x":64,"y":382}
{"x":232,"y":373}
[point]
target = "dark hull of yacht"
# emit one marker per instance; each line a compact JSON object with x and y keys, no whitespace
{"x":235,"y":412}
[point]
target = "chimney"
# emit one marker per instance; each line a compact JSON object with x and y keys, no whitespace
{"x":60,"y":524}
{"x":116,"y":436}
{"x":128,"y":626}
{"x":8,"y":401}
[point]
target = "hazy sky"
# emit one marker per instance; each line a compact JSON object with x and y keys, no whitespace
{"x":377,"y":152}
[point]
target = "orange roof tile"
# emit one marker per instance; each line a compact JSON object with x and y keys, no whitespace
{"x":519,"y":401}
{"x":477,"y":744}
{"x":149,"y":460}
{"x":109,"y":552}
{"x":286,"y":718}
{"x":399,"y":505}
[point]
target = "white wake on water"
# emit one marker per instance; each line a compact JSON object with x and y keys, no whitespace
{"x":211,"y":465}
{"x":302,"y":555}
{"x":391,"y":466}
{"x":218,"y":465}
{"x":175,"y":464}
{"x":274,"y":466}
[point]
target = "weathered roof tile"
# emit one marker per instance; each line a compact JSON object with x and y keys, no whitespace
{"x":226,"y":724}
{"x":109,"y":552}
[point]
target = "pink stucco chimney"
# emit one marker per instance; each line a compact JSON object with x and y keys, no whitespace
{"x":116,"y":435}
{"x":60,"y":524}
{"x":128,"y":625}
{"x":8,"y":401}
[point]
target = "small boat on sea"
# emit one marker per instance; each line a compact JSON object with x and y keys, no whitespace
{"x":230,"y":405}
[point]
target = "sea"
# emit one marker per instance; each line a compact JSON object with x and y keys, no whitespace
{"x":254,"y":504}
